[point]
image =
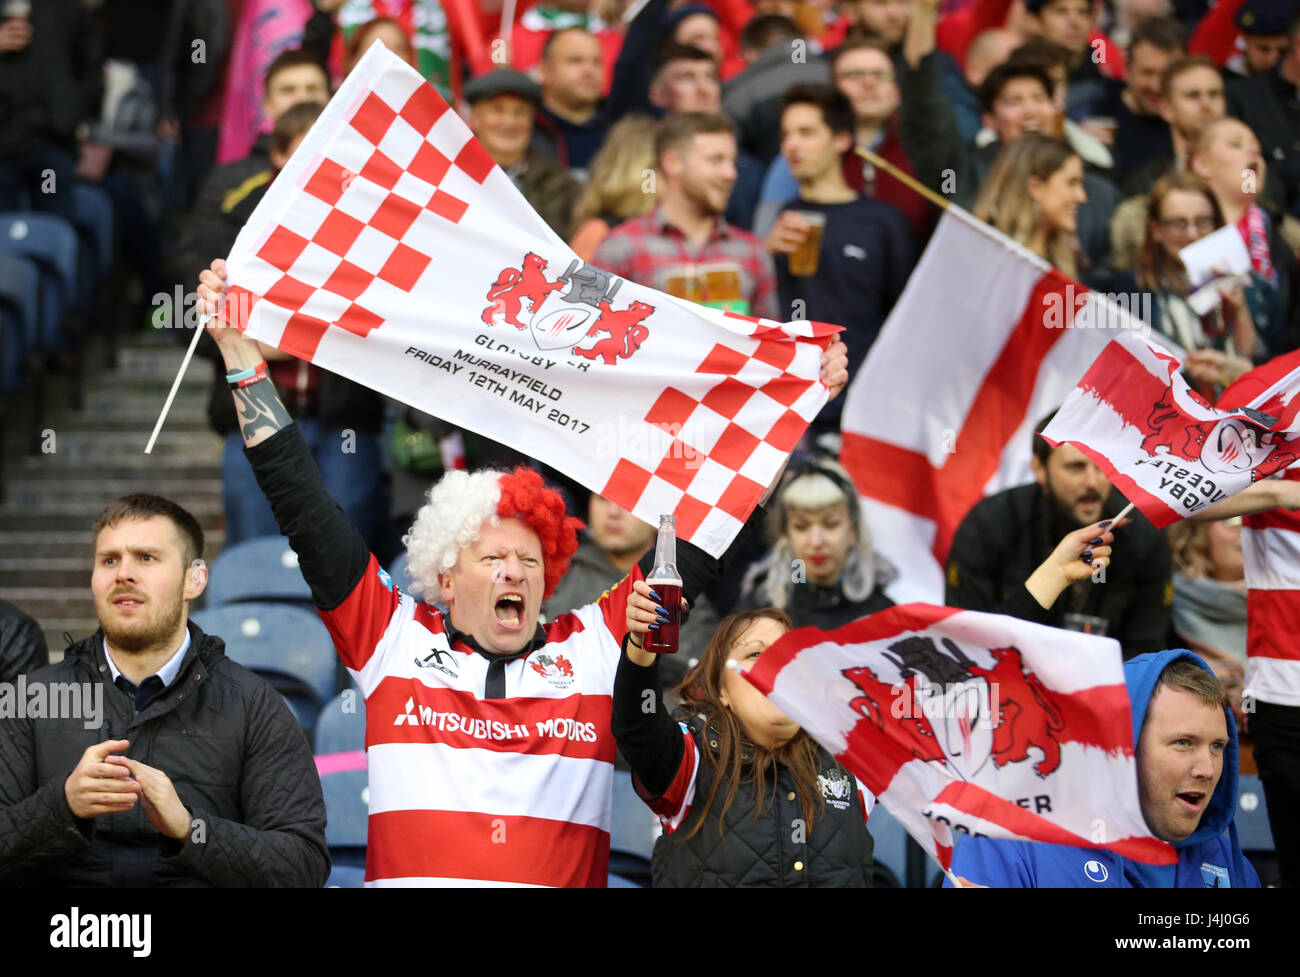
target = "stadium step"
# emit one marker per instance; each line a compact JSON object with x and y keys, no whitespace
{"x":92,"y":456}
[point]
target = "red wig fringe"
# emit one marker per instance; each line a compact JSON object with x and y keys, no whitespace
{"x":524,"y":495}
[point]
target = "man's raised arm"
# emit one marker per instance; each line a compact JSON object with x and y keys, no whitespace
{"x":332,"y":554}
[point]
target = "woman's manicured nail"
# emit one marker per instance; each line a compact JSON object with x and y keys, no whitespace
{"x":1095,"y":542}
{"x":1087,"y":556}
{"x":1103,"y":525}
{"x":654,"y":627}
{"x":657,"y":598}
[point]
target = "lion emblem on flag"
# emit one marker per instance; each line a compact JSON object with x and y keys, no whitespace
{"x":947,"y":709}
{"x":558,"y":319}
{"x":1230,"y":445}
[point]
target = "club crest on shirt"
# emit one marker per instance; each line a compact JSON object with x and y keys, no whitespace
{"x":567,"y":321}
{"x":837,"y":788}
{"x":558,"y":670}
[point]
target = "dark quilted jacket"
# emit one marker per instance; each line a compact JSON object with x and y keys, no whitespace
{"x":238,"y":760}
{"x":22,"y":645}
{"x":769,"y":851}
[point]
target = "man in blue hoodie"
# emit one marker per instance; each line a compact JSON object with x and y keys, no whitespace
{"x":1187,"y":782}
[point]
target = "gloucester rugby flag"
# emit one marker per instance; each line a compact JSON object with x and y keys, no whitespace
{"x":985,"y":341}
{"x":393,"y":251}
{"x":1164,"y":447}
{"x":960,"y":721}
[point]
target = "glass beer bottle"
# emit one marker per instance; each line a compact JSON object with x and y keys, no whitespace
{"x":665,"y":581}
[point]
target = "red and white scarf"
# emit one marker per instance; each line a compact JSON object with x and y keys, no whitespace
{"x":1254,"y":231}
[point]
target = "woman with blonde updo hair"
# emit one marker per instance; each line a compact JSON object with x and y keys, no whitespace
{"x":1033,"y":194}
{"x":822,"y":570}
{"x":618,"y":187}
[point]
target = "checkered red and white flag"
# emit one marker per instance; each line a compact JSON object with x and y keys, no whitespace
{"x":960,"y":721}
{"x":393,"y":251}
{"x":1163,"y":446}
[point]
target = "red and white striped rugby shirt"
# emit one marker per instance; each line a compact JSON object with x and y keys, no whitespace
{"x":472,"y":791}
{"x":1270,"y":543}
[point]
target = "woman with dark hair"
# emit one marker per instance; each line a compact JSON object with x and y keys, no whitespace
{"x":746,"y":797}
{"x":1221,"y":345}
{"x":822,"y":570}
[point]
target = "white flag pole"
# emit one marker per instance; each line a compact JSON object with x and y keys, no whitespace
{"x":508,"y":23}
{"x":1122,"y":513}
{"x":176,"y":384}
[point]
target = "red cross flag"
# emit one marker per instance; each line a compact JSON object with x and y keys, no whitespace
{"x":393,"y":251}
{"x":1161,"y":444}
{"x":960,"y":721}
{"x":984,"y":342}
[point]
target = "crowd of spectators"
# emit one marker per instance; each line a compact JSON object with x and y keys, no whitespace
{"x":694,"y":148}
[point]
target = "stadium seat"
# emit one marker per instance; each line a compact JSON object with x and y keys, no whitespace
{"x":51,"y":243}
{"x":338,"y":730}
{"x":346,"y":877}
{"x":20,"y":315}
{"x":288,"y":646}
{"x":347,"y":812}
{"x":632,"y":832}
{"x":263,"y":569}
{"x":890,"y":838}
{"x":95,"y":218}
{"x":1253,"y":831}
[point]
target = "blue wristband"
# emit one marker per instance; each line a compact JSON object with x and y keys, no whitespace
{"x":245,"y":374}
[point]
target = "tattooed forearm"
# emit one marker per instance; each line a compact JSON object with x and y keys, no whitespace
{"x":260,"y":412}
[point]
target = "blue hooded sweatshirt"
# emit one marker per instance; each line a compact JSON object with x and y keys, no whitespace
{"x":1209,"y":858}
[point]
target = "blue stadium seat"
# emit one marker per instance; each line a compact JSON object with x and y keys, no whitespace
{"x":347,"y":812}
{"x":50,"y":242}
{"x":339,"y":731}
{"x":890,"y":851}
{"x":631,"y":832}
{"x":20,"y":316}
{"x":95,"y":216}
{"x":263,"y":569}
{"x":1253,"y":831}
{"x":288,"y":646}
{"x":346,"y":877}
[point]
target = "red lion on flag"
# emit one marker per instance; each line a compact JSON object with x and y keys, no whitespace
{"x":513,"y":285}
{"x":876,"y":701}
{"x":626,"y":334}
{"x":1026,"y":714}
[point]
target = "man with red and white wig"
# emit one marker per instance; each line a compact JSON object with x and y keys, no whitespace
{"x":488,"y":735}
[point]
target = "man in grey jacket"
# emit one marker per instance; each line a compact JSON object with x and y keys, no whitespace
{"x":146,"y":757}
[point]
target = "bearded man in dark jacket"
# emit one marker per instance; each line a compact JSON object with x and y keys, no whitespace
{"x":1006,"y":535}
{"x":146,"y":757}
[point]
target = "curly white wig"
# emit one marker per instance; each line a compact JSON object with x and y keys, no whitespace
{"x":449,"y":521}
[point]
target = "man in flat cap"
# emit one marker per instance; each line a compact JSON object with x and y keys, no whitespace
{"x":502,"y":103}
{"x":1265,"y":37}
